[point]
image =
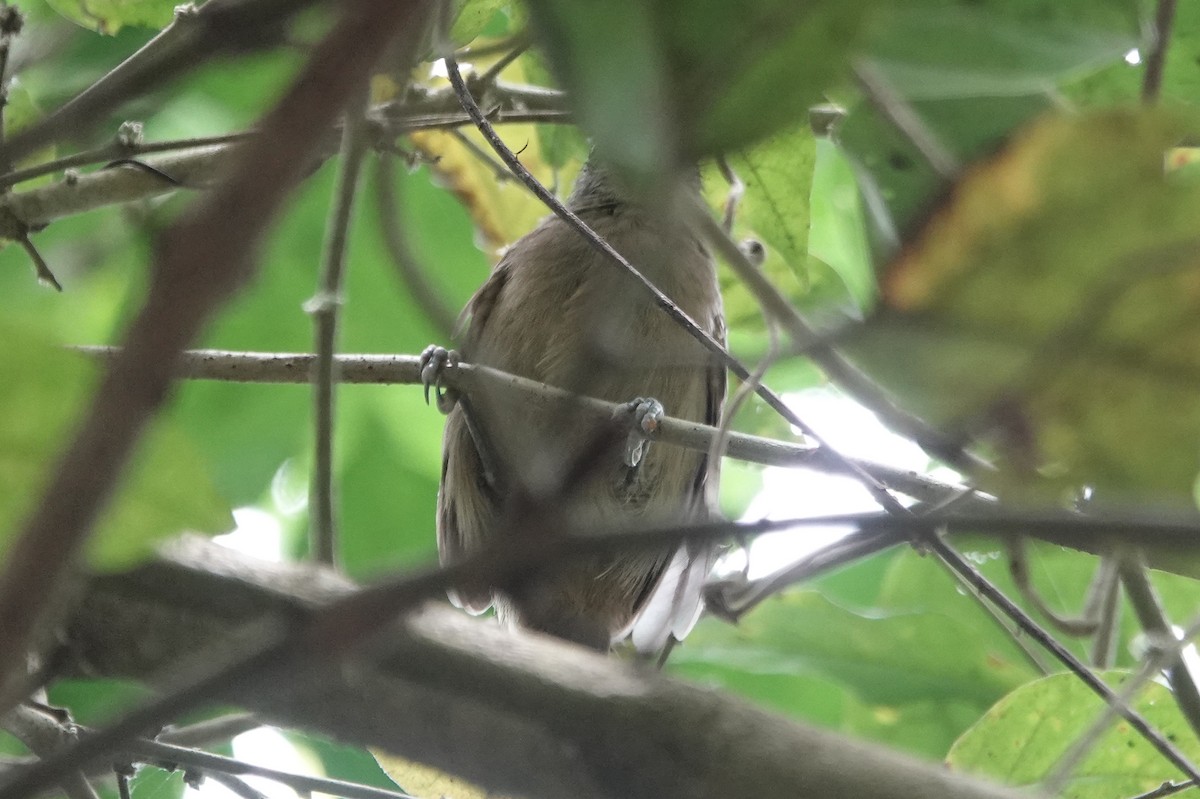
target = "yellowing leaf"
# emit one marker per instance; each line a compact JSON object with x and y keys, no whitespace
{"x":1052,"y":308}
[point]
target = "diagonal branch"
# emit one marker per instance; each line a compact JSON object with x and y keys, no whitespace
{"x":200,"y":262}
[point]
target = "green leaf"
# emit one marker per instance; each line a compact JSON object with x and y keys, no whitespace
{"x":109,"y":16}
{"x":837,"y":236}
{"x":473,"y":17}
{"x":778,"y":174}
{"x":1020,"y":740}
{"x":1053,"y":305}
{"x":888,"y":658}
{"x":167,"y":489}
{"x":1122,"y":82}
{"x":996,"y":48}
{"x":698,"y":78}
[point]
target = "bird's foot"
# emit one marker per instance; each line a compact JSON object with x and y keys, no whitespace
{"x":434,"y":362}
{"x":644,"y":415}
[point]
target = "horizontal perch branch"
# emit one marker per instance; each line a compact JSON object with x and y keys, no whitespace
{"x":262,"y":367}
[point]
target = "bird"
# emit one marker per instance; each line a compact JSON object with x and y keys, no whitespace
{"x":557,"y":311}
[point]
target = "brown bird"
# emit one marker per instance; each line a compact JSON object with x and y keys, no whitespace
{"x":557,"y":311}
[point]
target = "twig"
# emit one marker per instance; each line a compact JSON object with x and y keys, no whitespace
{"x":221,"y":728}
{"x":1156,"y":59}
{"x":1167,"y":650}
{"x":822,"y":352}
{"x":410,"y":272}
{"x":44,"y":735}
{"x":1154,"y":622}
{"x":661,"y":300}
{"x":955,"y":561}
{"x":520,"y":45}
{"x":498,"y":170}
{"x":894,"y":109}
{"x":158,"y":752}
{"x":737,"y":188}
{"x":405,"y":369}
{"x":198,"y":165}
{"x":1166,"y":789}
{"x":201,"y":261}
{"x":102,"y":155}
{"x":195,"y":36}
{"x":1056,"y":780}
{"x":236,"y":785}
{"x":40,"y":267}
{"x":324,"y":308}
{"x":78,"y":194}
{"x":1108,"y":608}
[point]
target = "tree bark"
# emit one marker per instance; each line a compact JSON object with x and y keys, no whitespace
{"x":514,"y":712}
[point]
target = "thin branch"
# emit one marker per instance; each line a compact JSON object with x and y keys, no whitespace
{"x":76,"y":194}
{"x":520,"y":45}
{"x":737,"y":188}
{"x":1107,"y":593}
{"x":40,"y":267}
{"x":196,"y":167}
{"x":1156,"y":59}
{"x":194,"y":37}
{"x":884,"y":99}
{"x":1057,"y":778}
{"x":236,"y":785}
{"x":498,"y":170}
{"x":155,"y":752}
{"x":959,"y":564}
{"x":202,"y":733}
{"x":822,"y":352}
{"x":324,"y":308}
{"x":201,"y":261}
{"x":1154,"y":622}
{"x":102,"y":155}
{"x":409,"y":270}
{"x":1160,"y":655}
{"x":405,"y":369}
{"x":1166,"y":789}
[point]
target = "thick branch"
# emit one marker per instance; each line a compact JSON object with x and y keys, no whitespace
{"x":514,"y":712}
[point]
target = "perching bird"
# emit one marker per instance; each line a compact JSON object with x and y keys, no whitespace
{"x":557,"y":311}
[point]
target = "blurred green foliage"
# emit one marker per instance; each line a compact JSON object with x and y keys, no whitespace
{"x":888,"y":649}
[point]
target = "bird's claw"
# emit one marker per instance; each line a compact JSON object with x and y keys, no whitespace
{"x":645,"y":415}
{"x":434,"y":362}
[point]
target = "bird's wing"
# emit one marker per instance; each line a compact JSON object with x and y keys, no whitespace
{"x":467,"y":506}
{"x":678,"y":599}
